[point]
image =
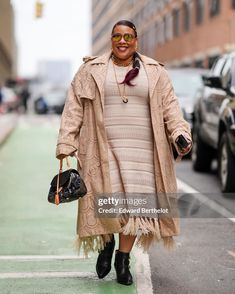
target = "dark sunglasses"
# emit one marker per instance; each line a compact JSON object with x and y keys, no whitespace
{"x":127,"y":37}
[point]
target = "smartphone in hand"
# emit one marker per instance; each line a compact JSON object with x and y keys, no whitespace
{"x":182,"y":142}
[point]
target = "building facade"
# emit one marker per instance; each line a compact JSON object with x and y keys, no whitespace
{"x":7,"y":41}
{"x":177,"y":32}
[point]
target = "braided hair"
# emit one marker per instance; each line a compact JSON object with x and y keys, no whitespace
{"x":131,"y":74}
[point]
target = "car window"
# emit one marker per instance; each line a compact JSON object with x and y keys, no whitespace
{"x":185,"y":83}
{"x":55,"y":97}
{"x":233,"y":73}
{"x":218,"y":66}
{"x":226,"y":73}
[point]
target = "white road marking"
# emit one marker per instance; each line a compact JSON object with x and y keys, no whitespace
{"x":47,"y":275}
{"x":232,"y":253}
{"x":205,"y":200}
{"x":142,"y":269}
{"x":143,"y":272}
{"x":40,"y":257}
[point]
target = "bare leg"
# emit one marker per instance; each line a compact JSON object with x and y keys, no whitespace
{"x":126,"y":242}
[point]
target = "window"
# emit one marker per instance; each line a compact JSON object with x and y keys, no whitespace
{"x":199,"y":63}
{"x":168,"y":27}
{"x":161,"y":37}
{"x":101,"y":13}
{"x":200,"y":6}
{"x":233,"y":4}
{"x":94,"y":4}
{"x":217,"y":66}
{"x":164,"y":26}
{"x":156,"y":34}
{"x":226,"y":67}
{"x":176,"y":22}
{"x":233,"y":73}
{"x":151,"y":40}
{"x":187,"y":16}
{"x":185,"y":83}
{"x":214,"y":7}
{"x":226,"y":74}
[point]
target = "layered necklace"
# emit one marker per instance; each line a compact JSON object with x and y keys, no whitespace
{"x":115,"y":61}
{"x":122,"y":94}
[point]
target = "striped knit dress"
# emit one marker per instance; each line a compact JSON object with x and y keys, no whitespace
{"x":130,"y":144}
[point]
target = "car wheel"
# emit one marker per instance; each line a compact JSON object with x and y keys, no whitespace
{"x":202,"y":154}
{"x":226,"y":165}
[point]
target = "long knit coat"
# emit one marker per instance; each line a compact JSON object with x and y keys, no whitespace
{"x":82,"y":130}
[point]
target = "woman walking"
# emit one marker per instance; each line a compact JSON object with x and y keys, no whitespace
{"x":121,"y":117}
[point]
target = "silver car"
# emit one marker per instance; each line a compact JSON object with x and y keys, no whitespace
{"x":187,"y":82}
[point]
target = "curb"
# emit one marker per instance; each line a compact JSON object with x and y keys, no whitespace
{"x":8,"y":123}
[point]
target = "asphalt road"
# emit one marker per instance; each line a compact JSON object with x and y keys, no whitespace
{"x":204,"y":258}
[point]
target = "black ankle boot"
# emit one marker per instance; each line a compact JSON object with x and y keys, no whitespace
{"x":103,"y":264}
{"x":121,"y":264}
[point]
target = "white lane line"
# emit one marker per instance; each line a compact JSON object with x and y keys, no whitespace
{"x":232,"y":253}
{"x":205,"y":200}
{"x":142,"y":269}
{"x":143,"y":272}
{"x":40,"y":257}
{"x":47,"y":275}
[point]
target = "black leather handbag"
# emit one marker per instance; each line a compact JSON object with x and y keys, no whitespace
{"x":66,"y":186}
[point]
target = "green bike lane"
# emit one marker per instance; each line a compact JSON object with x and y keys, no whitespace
{"x":37,"y":253}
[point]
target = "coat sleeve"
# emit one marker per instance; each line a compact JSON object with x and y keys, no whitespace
{"x":173,"y":118}
{"x":72,"y":118}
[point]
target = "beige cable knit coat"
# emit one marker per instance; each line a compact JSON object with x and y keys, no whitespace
{"x":82,"y":130}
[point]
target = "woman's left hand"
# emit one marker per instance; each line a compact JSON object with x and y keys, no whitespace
{"x":185,"y":150}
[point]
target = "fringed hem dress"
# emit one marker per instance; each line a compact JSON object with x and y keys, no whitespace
{"x":130,"y":146}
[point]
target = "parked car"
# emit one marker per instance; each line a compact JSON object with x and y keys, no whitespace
{"x":186,"y":83}
{"x":51,"y":101}
{"x":214,"y":122}
{"x":10,"y":101}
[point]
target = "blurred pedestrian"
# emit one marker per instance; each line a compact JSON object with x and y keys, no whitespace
{"x":1,"y":97}
{"x":25,"y":95}
{"x":0,"y":94}
{"x":121,"y":117}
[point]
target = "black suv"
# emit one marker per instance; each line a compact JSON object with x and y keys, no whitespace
{"x":214,"y":122}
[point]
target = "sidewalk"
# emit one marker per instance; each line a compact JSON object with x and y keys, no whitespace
{"x":36,"y":237}
{"x":7,"y":124}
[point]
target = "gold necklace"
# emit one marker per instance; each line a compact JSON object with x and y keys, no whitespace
{"x":120,"y":64}
{"x":123,"y":96}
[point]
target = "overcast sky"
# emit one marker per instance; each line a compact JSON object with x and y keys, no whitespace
{"x":62,"y":33}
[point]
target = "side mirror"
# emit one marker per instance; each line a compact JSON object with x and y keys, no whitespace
{"x":213,"y":82}
{"x":204,"y":77}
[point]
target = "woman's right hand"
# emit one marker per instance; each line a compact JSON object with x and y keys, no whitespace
{"x":61,"y":156}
